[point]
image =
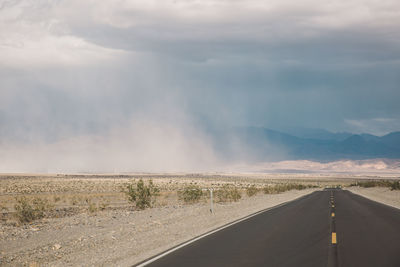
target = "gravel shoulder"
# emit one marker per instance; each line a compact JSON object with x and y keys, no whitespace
{"x":379,"y":194}
{"x":121,"y":237}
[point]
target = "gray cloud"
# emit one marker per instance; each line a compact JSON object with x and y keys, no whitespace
{"x":73,"y":69}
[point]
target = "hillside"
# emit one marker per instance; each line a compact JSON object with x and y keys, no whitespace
{"x":261,"y":144}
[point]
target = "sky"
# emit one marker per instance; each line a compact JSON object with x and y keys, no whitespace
{"x":132,"y":85}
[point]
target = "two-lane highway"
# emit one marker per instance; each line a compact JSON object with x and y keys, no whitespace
{"x":325,"y":228}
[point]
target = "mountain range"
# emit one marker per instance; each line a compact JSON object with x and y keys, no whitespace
{"x":261,"y":144}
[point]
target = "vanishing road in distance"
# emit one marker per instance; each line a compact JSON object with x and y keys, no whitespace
{"x":326,"y":228}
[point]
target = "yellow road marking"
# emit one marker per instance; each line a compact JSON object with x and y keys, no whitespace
{"x":333,"y":238}
{"x":333,"y":214}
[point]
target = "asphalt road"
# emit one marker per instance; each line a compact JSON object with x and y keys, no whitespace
{"x":325,"y":228}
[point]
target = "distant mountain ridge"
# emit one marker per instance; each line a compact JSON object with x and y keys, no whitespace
{"x":315,"y":133}
{"x":267,"y":144}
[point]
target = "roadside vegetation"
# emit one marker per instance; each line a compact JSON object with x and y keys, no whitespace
{"x":228,"y":193}
{"x":393,"y":185}
{"x":142,"y":195}
{"x":280,"y":188}
{"x":57,"y":198}
{"x":190,"y":194}
{"x":27,"y":212}
{"x":252,"y":190}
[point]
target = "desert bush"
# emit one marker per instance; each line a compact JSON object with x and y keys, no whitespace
{"x":92,"y":207}
{"x":381,"y":183}
{"x":74,"y":200}
{"x":26,"y":212}
{"x":251,"y":191}
{"x":395,"y":185}
{"x":369,"y":184}
{"x":190,"y":194}
{"x":269,"y":189}
{"x":228,"y":193}
{"x":280,"y":188}
{"x":142,"y":195}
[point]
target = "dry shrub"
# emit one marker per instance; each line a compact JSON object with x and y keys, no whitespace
{"x":190,"y":194}
{"x":393,"y":185}
{"x":228,"y":193}
{"x":26,"y":212}
{"x":142,"y":195}
{"x":251,"y":191}
{"x":280,"y":188}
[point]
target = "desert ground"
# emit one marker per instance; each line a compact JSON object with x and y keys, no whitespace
{"x":88,"y":219}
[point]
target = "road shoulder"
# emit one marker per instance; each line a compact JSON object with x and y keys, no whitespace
{"x":379,"y":194}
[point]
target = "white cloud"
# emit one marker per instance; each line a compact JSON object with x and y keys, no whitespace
{"x":378,"y":126}
{"x":47,"y":50}
{"x":28,"y":40}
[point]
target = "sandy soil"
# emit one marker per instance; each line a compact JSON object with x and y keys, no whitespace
{"x":369,"y":167}
{"x":380,"y":194}
{"x":117,"y":235}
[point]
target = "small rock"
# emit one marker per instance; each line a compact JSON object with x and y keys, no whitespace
{"x":56,"y":247}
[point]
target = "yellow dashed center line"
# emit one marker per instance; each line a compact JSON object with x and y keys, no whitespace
{"x":334,"y":241}
{"x":333,"y":238}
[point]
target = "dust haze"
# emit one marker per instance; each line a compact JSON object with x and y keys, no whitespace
{"x":134,"y":86}
{"x":139,"y":145}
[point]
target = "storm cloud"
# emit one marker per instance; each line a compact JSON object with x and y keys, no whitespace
{"x":103,"y":73}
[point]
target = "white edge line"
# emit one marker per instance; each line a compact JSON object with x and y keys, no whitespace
{"x":213,"y":231}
